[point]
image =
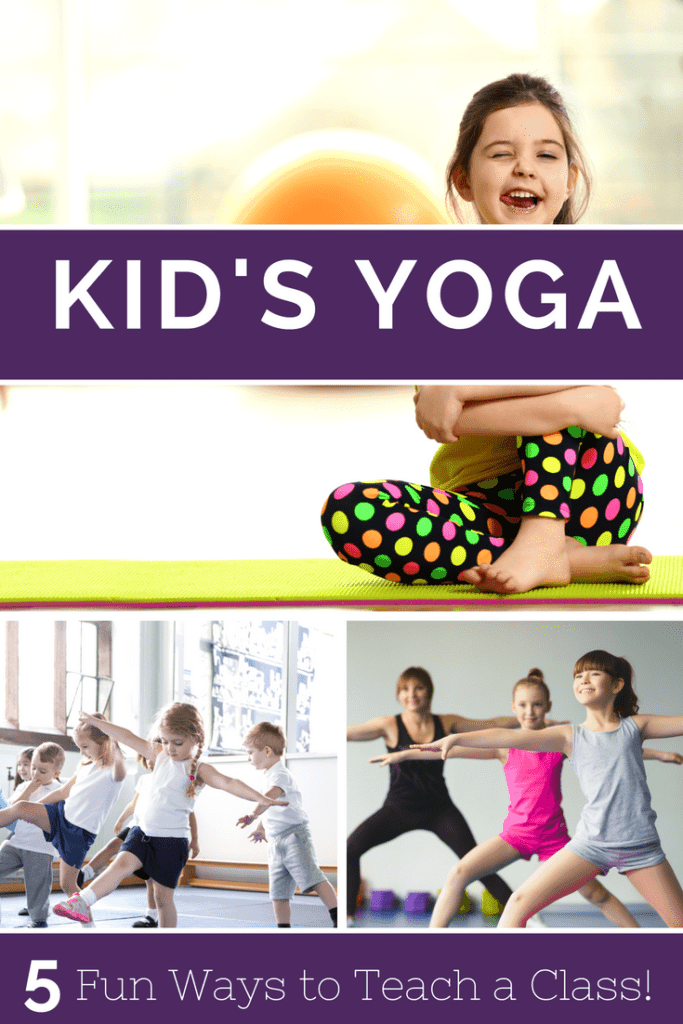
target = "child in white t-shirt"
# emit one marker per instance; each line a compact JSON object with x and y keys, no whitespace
{"x":28,"y":848}
{"x":72,"y":815}
{"x":291,"y":856}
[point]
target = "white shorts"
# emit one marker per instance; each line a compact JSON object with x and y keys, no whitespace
{"x":291,"y":862}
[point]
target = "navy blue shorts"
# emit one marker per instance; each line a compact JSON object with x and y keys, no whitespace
{"x":70,"y":841}
{"x":162,"y":857}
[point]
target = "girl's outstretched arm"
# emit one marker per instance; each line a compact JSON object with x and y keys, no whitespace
{"x":211,"y":777}
{"x":666,"y":756}
{"x":422,"y":754}
{"x":456,"y":723}
{"x":273,"y":794}
{"x":658,"y":727}
{"x":557,"y":737}
{"x":121,"y":735}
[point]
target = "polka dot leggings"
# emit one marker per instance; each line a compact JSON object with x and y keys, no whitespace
{"x":412,"y":533}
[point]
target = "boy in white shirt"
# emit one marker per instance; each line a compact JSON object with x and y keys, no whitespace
{"x":291,"y":856}
{"x":27,"y":848}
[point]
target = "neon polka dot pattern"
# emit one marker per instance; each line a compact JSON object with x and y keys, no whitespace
{"x":416,"y":534}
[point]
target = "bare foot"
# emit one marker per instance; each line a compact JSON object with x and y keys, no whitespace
{"x":613,"y":563}
{"x":536,"y":558}
{"x":473,"y":575}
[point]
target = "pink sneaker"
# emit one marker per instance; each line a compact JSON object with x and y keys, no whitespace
{"x":75,"y":908}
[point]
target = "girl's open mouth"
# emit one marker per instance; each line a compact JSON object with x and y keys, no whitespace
{"x":520,"y":199}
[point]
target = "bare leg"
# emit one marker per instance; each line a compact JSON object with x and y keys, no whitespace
{"x":24,"y":810}
{"x":168,"y":915}
{"x":282,"y":911}
{"x":611,"y":563}
{"x":151,"y":902}
{"x":662,"y":890}
{"x":68,"y":878}
{"x":537,"y":557}
{"x":613,"y":909}
{"x":565,"y":872}
{"x":123,"y":866}
{"x":327,"y":894}
{"x":101,"y":859}
{"x":485,"y":859}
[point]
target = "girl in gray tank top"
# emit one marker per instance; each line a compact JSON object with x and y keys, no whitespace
{"x":617,"y":827}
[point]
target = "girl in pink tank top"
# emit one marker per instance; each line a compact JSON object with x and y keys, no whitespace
{"x":535,"y":822}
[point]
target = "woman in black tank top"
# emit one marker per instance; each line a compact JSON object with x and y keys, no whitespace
{"x":417,"y":797}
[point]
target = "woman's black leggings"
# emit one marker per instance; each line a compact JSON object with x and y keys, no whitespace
{"x":447,"y":823}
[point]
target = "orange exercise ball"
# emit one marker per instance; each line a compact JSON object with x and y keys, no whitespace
{"x":335,"y":177}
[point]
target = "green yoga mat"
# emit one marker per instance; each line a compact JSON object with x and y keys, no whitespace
{"x":254,"y":583}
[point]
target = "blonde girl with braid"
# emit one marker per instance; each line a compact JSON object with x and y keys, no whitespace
{"x":159,"y":842}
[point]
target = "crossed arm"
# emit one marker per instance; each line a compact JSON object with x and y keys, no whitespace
{"x":445,"y":412}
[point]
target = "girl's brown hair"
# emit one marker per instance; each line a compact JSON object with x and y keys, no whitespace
{"x":27,"y":753}
{"x":626,"y":702}
{"x":534,"y":678}
{"x":186,"y":720}
{"x":420,"y":675}
{"x":516,"y":91}
{"x":106,"y":744}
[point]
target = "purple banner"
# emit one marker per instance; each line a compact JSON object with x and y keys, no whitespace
{"x":336,"y":977}
{"x":336,"y":304}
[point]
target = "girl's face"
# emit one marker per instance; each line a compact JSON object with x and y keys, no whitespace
{"x":178,"y":745}
{"x":24,"y":768}
{"x":530,"y":706}
{"x":414,"y":695}
{"x":593,"y":686}
{"x":519,"y":171}
{"x":43,"y":772}
{"x":89,"y":748}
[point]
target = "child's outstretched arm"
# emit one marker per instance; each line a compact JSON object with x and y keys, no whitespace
{"x":557,"y":737}
{"x":422,"y":754}
{"x":659,"y":727}
{"x":121,"y":735}
{"x":456,"y":723}
{"x":665,"y":756}
{"x":273,"y":794}
{"x":211,"y":777}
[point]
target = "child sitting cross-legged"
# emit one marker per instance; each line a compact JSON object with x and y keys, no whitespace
{"x":291,"y":856}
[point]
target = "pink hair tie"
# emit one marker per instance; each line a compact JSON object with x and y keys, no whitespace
{"x":191,"y":778}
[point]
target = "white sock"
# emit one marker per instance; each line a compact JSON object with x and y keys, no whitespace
{"x":153,"y":913}
{"x":89,"y":896}
{"x":88,"y":872}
